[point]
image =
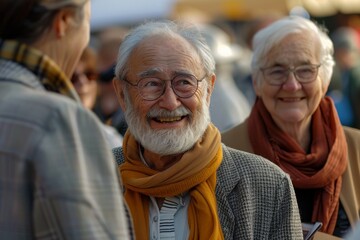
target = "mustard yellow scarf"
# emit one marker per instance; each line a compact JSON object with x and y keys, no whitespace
{"x":195,"y":173}
{"x":49,"y":73}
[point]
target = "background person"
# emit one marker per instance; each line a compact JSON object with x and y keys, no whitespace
{"x":57,"y":176}
{"x":345,"y":82}
{"x":295,"y":126}
{"x":85,"y":81}
{"x":228,"y":107}
{"x":180,"y":181}
{"x":107,"y":106}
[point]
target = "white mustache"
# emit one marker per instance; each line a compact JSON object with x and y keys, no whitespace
{"x":162,"y":113}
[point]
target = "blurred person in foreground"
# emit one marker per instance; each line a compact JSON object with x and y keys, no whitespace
{"x":294,"y":124}
{"x":85,"y":81}
{"x":345,"y":82}
{"x":180,"y":181}
{"x":57,"y":176}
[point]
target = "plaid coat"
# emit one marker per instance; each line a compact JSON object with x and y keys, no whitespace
{"x":57,"y":175}
{"x":255,"y":198}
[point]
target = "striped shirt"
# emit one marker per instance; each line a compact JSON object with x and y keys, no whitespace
{"x":171,"y":221}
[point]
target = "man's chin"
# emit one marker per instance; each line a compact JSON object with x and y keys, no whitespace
{"x":170,"y":145}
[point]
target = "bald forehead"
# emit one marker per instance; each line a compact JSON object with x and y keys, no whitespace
{"x":168,"y":53}
{"x":175,"y":42}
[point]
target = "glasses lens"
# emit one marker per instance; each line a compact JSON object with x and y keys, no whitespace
{"x":275,"y":75}
{"x":306,"y":73}
{"x":278,"y":75}
{"x":86,"y":76}
{"x":184,"y":85}
{"x":151,"y":88}
{"x":91,"y":75}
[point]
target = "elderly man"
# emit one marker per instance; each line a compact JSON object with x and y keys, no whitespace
{"x":180,"y":181}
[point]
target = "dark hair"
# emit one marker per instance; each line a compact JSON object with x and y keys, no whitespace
{"x":25,"y":20}
{"x":107,"y":75}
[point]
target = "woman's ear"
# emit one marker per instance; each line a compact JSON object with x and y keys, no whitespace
{"x":118,"y":86}
{"x":62,"y":21}
{"x":256,"y":84}
{"x":325,"y":86}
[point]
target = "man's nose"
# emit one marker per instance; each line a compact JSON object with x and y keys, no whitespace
{"x":169,"y":100}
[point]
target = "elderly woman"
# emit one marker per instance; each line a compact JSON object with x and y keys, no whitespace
{"x":57,"y":176}
{"x":295,"y":126}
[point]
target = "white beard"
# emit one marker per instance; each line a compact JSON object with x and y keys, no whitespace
{"x":168,"y":141}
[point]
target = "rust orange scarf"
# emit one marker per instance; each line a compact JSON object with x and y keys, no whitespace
{"x":195,"y":173}
{"x":321,"y":168}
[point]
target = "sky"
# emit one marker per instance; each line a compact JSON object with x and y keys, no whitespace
{"x":110,"y":12}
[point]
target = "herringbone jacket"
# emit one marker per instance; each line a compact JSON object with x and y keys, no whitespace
{"x":255,"y":199}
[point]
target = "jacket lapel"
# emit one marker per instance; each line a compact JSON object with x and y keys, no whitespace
{"x":227,"y":178}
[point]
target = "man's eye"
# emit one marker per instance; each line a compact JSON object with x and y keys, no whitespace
{"x":183,"y":81}
{"x":150,"y":82}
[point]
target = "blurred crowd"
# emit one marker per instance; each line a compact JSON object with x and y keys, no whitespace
{"x":233,"y":96}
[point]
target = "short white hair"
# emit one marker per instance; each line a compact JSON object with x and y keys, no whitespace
{"x":265,"y":39}
{"x":189,"y":32}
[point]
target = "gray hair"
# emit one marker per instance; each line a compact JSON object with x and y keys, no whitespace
{"x":169,"y":28}
{"x":58,"y":4}
{"x":267,"y":38}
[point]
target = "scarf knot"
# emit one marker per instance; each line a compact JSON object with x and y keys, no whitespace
{"x":194,"y":173}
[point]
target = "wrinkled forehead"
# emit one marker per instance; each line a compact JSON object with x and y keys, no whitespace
{"x":165,"y":53}
{"x":304,"y":46}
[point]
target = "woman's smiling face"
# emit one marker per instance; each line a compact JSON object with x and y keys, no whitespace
{"x":292,"y":102}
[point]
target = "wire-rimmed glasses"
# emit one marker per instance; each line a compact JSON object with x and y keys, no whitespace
{"x":152,"y":88}
{"x":278,"y":75}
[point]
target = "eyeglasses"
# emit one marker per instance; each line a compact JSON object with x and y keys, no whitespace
{"x":279,"y":75}
{"x":151,"y":88}
{"x":90,"y":75}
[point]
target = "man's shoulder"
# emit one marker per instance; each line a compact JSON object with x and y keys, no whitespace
{"x":234,"y":161}
{"x":248,"y":166}
{"x":246,"y":160}
{"x":118,"y":155}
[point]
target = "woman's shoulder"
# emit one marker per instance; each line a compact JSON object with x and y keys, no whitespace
{"x":352,"y":136}
{"x":250,"y":164}
{"x":237,"y":137}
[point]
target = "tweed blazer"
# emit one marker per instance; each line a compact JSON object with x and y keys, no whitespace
{"x":238,"y":138}
{"x":255,"y":198}
{"x":58,"y":179}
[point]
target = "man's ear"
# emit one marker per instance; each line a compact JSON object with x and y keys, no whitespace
{"x":118,"y":86}
{"x":210,"y":88}
{"x":62,"y":21}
